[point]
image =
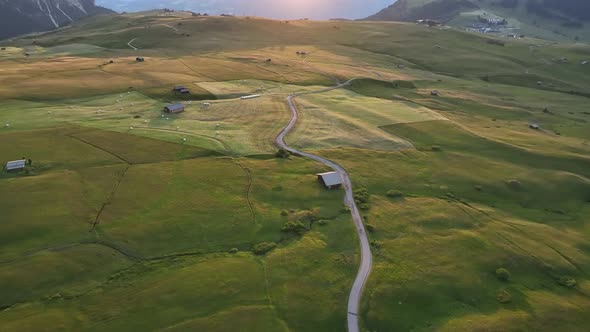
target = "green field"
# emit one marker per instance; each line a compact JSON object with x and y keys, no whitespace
{"x":130,"y":219}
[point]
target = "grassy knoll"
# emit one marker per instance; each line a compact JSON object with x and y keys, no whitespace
{"x":472,"y":205}
{"x":158,"y":220}
{"x":344,"y":118}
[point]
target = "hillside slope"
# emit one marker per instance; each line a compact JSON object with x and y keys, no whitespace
{"x":551,"y":19}
{"x":25,"y":16}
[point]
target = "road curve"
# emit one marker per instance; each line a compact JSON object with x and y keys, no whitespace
{"x":366,"y":258}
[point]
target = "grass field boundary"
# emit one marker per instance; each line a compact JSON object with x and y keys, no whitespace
{"x":194,"y":71}
{"x":100,"y":148}
{"x":248,"y":189}
{"x":109,"y":198}
{"x":223,"y":143}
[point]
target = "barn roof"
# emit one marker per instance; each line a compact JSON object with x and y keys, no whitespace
{"x":16,"y":164}
{"x":331,"y":179}
{"x":175,"y":107}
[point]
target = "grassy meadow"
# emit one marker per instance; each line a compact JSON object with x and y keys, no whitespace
{"x":130,"y":219}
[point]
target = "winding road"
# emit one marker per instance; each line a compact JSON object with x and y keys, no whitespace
{"x":366,"y":258}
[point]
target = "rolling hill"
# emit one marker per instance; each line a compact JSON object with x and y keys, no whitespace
{"x":24,"y":16}
{"x":546,"y":19}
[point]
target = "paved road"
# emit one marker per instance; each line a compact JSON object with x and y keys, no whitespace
{"x":366,"y":258}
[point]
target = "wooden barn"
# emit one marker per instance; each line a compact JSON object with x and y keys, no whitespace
{"x":16,"y":165}
{"x":330,"y":180}
{"x":173,"y":109}
{"x":181,"y":89}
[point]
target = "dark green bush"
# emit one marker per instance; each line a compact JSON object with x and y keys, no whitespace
{"x":503,"y":274}
{"x":514,"y":184}
{"x":296,"y":227}
{"x":504,"y":297}
{"x":376,"y":244}
{"x":282,"y":153}
{"x":567,"y":281}
{"x":263,"y":248}
{"x":395,"y":194}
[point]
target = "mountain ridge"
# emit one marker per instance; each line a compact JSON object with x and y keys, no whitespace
{"x":19,"y":17}
{"x":546,"y":19}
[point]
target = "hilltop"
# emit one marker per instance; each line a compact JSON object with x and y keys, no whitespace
{"x":548,"y":19}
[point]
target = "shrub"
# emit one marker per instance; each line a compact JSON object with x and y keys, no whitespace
{"x":567,"y":281}
{"x":364,"y":206}
{"x":361,"y":196}
{"x":283,"y":154}
{"x":376,"y":244}
{"x":395,"y":194}
{"x":478,"y":187}
{"x":233,"y":251}
{"x":371,"y":228}
{"x":495,"y":42}
{"x":296,"y":227}
{"x":308,"y":216}
{"x":504,"y":297}
{"x":263,"y":248}
{"x":284,"y":213}
{"x":514,"y":184}
{"x":322,"y":222}
{"x":503,"y":274}
{"x":436,"y":148}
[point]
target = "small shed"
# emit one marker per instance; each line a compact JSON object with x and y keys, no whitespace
{"x":534,"y":126}
{"x":178,"y":88}
{"x":585,"y":62}
{"x":185,"y":91}
{"x":250,"y":97}
{"x":139,"y":59}
{"x":435,"y":93}
{"x":330,"y":180}
{"x":16,"y":165}
{"x":175,"y":108}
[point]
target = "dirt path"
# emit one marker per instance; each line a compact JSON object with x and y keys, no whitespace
{"x":131,"y":45}
{"x":366,"y":257}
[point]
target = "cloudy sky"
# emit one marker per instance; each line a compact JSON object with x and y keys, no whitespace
{"x":315,"y":9}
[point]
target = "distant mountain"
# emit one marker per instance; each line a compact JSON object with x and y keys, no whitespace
{"x":552,"y":19}
{"x":25,"y":16}
{"x":412,"y":10}
{"x":279,"y":9}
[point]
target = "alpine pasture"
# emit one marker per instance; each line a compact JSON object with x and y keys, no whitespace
{"x":131,"y":219}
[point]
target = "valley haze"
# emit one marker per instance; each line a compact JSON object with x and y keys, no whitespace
{"x":279,"y":9}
